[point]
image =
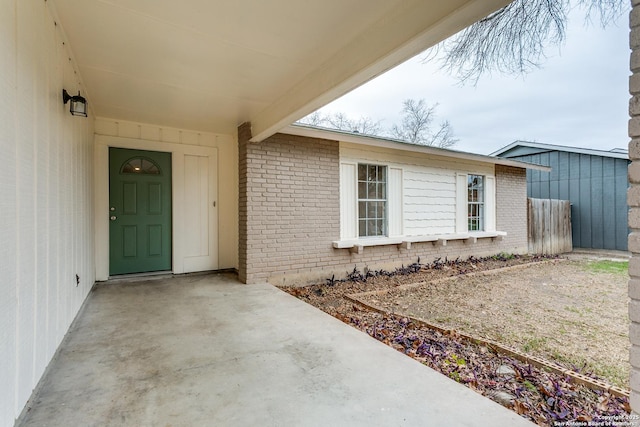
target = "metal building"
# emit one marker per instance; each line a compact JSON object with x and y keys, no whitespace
{"x":594,"y":181}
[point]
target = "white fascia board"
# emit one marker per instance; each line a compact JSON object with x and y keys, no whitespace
{"x":408,"y":31}
{"x":372,"y":141}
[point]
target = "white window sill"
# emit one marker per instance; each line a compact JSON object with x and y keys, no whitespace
{"x":404,"y":242}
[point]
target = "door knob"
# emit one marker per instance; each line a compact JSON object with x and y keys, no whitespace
{"x":112,"y":218}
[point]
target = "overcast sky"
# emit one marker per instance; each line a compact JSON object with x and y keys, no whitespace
{"x":578,"y":98}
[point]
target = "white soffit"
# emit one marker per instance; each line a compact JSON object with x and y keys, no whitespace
{"x":211,"y":65}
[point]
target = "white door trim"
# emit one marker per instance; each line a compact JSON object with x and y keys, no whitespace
{"x":178,"y":151}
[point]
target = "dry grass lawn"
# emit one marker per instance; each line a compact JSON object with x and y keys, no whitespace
{"x":571,"y":312}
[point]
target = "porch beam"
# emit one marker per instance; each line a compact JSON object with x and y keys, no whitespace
{"x":407,"y":31}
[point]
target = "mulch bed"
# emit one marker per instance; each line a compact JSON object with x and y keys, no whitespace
{"x":543,"y":397}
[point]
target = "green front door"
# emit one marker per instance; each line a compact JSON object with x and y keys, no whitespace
{"x":139,"y":211}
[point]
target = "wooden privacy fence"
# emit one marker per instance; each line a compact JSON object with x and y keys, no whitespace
{"x":549,"y":226}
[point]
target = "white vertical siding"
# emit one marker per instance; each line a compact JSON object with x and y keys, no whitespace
{"x":490,"y":203}
{"x":395,"y":202}
{"x":462,"y":224}
{"x":348,"y":201}
{"x":27,"y":16}
{"x":45,"y":200}
{"x":8,"y":213}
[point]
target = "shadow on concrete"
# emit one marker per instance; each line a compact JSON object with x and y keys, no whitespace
{"x":207,"y":350}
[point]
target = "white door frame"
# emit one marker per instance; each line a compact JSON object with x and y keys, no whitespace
{"x":178,"y":151}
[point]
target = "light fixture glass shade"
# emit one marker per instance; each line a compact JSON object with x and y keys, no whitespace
{"x":78,"y":107}
{"x":78,"y":104}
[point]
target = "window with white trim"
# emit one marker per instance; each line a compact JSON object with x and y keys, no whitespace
{"x":475,"y":202}
{"x":382,"y":202}
{"x":372,"y":200}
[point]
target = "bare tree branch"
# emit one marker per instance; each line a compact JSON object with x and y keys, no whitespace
{"x":513,"y":39}
{"x":364,"y":125}
{"x":314,"y":119}
{"x":416,"y":125}
{"x":607,"y":11}
{"x":443,"y":138}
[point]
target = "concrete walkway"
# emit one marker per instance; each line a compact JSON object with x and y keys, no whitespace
{"x":598,"y":254}
{"x":207,"y":351}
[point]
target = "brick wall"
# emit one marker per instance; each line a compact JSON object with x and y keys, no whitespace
{"x":289,"y":215}
{"x":634,"y":207}
{"x":289,"y":205}
{"x":511,"y":202}
{"x":244,"y":134}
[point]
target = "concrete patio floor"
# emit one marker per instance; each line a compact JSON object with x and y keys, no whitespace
{"x":205,"y":350}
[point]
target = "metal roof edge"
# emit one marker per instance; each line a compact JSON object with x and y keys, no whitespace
{"x":552,"y":147}
{"x":381,"y":142}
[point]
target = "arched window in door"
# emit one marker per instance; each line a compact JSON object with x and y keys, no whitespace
{"x":140,"y":165}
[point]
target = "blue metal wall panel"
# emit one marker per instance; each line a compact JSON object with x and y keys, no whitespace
{"x":596,"y":187}
{"x":563,"y":194}
{"x":563,"y":165}
{"x":554,"y":181}
{"x":576,"y":220}
{"x":584,"y":209}
{"x":574,"y":165}
{"x":609,"y":198}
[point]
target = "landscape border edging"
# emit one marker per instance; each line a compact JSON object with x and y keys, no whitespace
{"x":499,"y":348}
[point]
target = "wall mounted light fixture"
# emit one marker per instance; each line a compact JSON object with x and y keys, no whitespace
{"x":78,"y":106}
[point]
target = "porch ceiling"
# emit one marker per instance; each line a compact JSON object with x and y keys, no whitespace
{"x":210,"y":65}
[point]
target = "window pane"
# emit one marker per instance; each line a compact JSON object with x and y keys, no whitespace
{"x":371,"y":227}
{"x":362,"y":227}
{"x":372,"y":173}
{"x":475,"y":200}
{"x":362,"y":172}
{"x":382,"y":173}
{"x":475,"y":184}
{"x":146,"y":165}
{"x":362,"y":190}
{"x":371,"y":194}
{"x":140,"y":166}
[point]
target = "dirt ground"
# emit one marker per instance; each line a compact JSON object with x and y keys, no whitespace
{"x":572,"y":312}
{"x":560,"y":310}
